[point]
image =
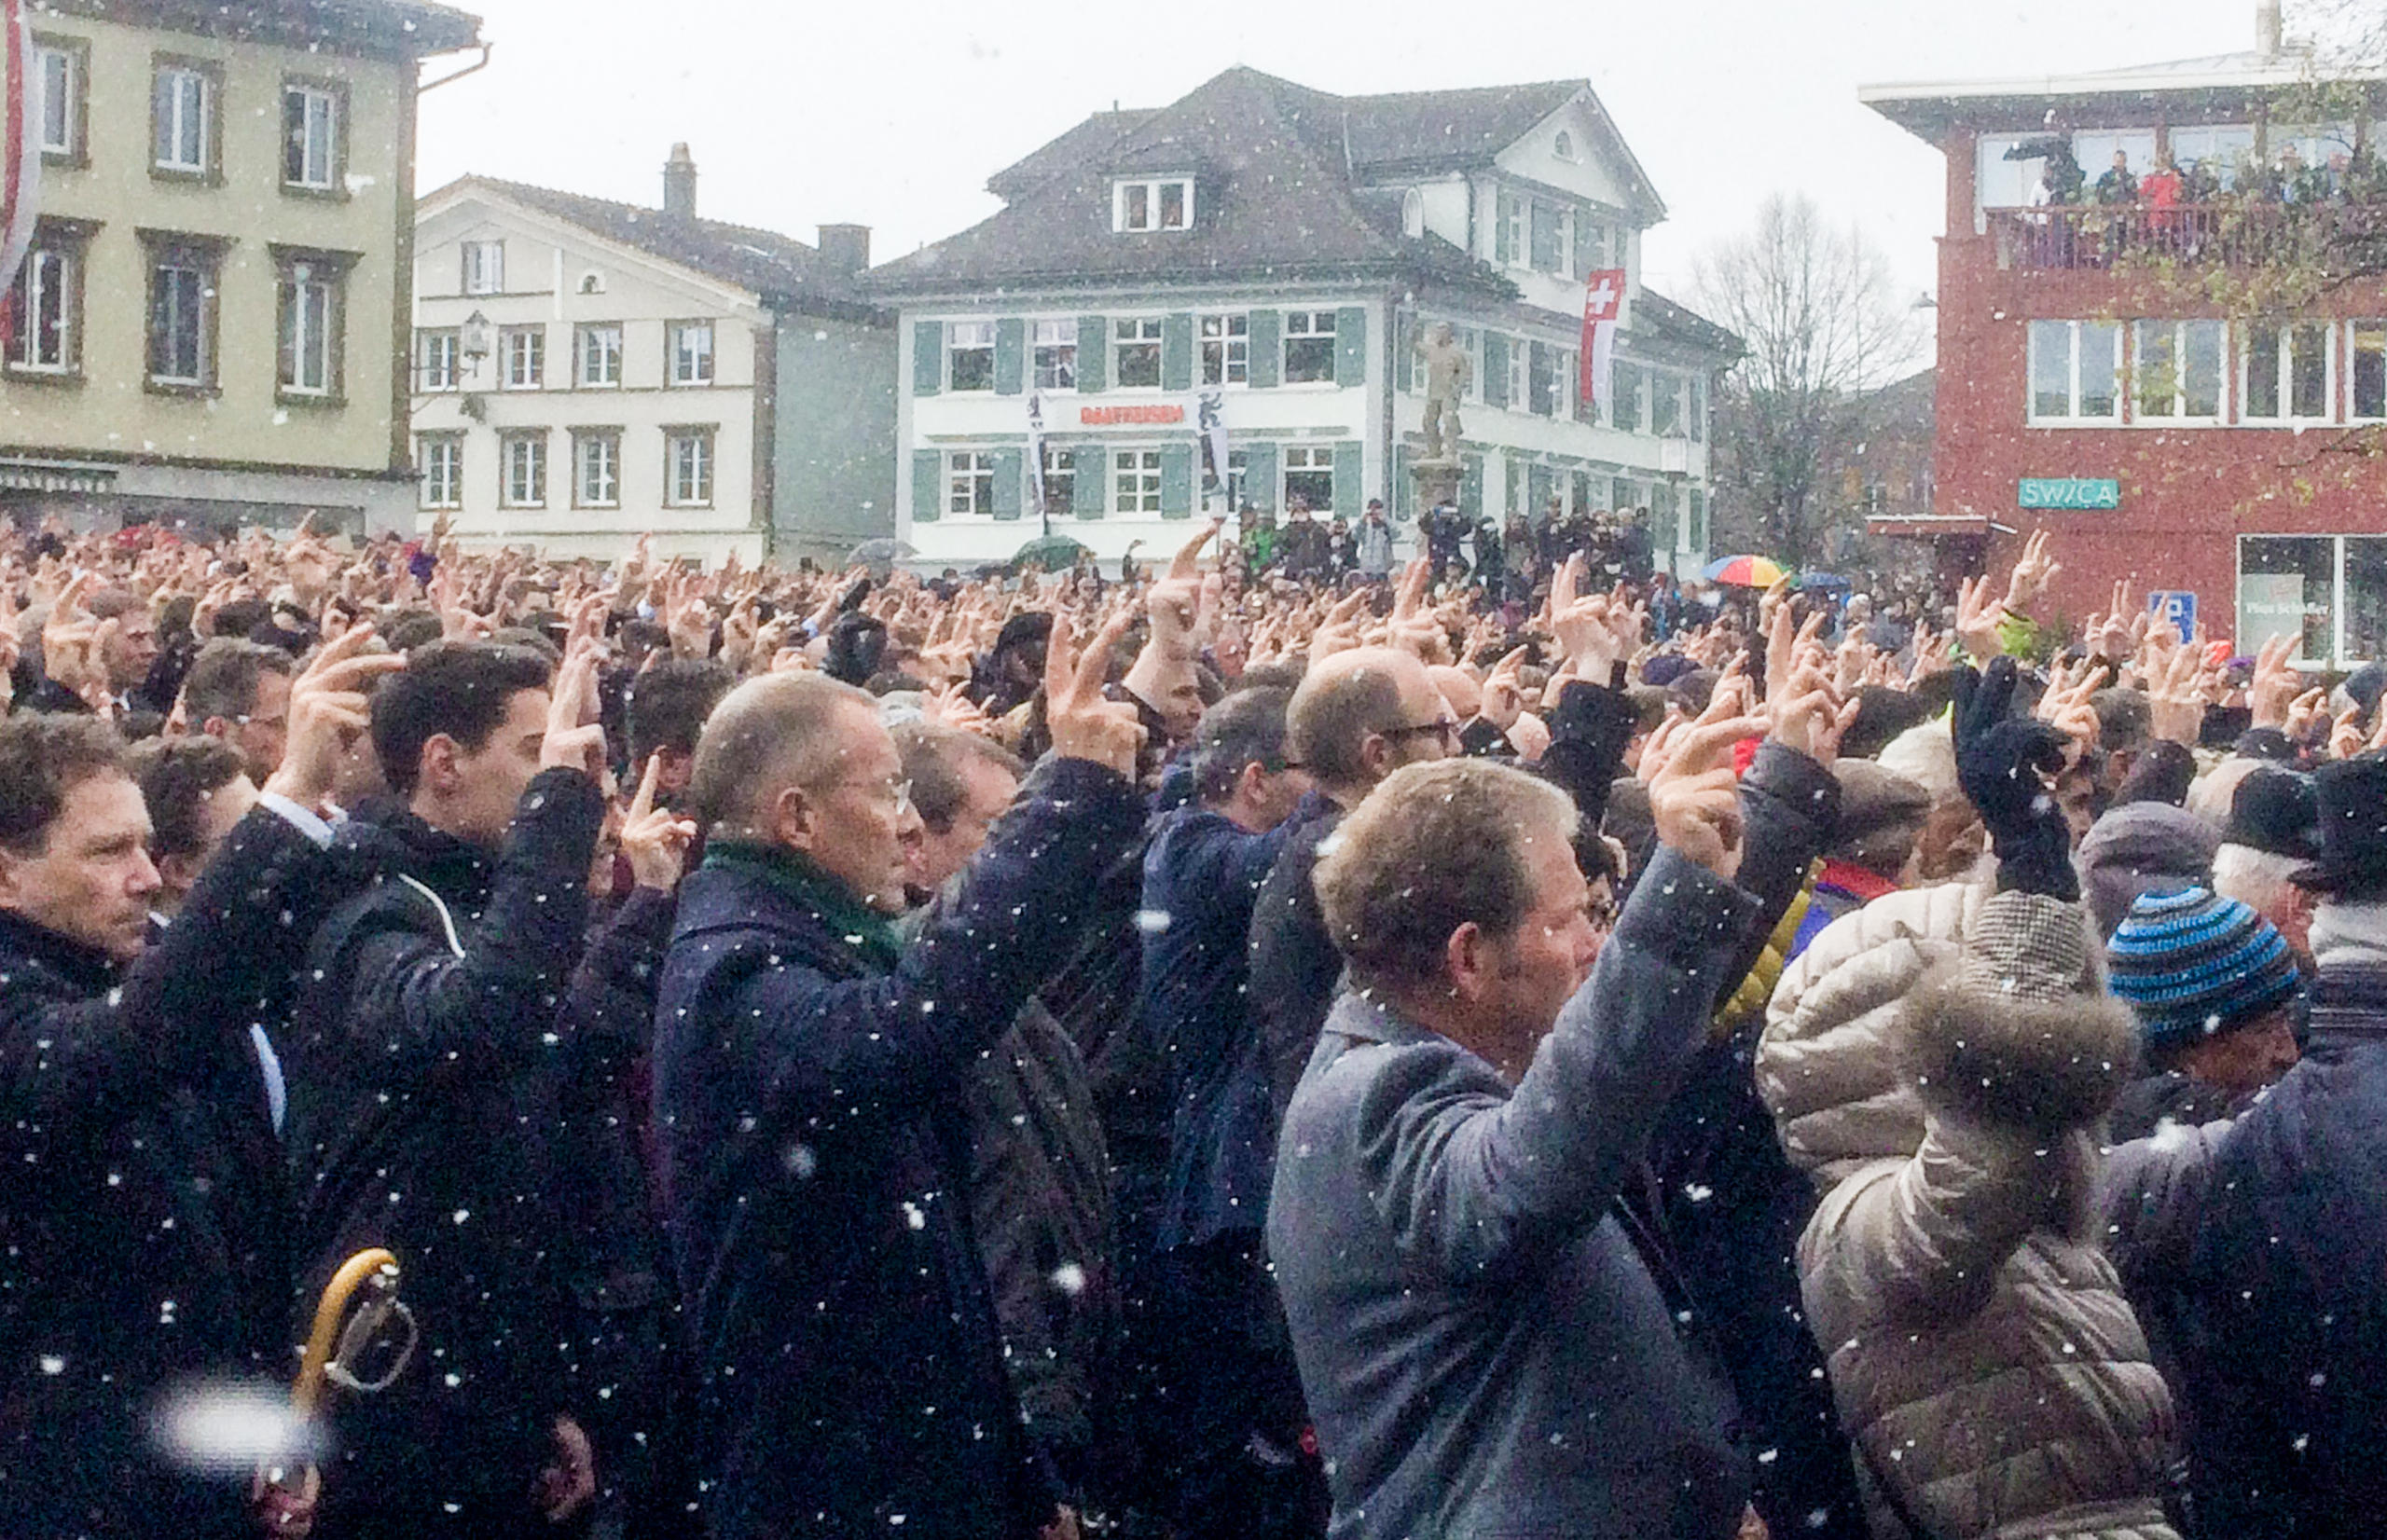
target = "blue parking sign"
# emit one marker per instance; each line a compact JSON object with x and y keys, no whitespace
{"x":2178,"y":606}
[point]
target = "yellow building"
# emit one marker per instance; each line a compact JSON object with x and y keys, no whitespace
{"x":213,"y":325}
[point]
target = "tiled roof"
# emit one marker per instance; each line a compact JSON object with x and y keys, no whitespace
{"x":761,"y":261}
{"x":1657,"y":318}
{"x":1278,"y":169}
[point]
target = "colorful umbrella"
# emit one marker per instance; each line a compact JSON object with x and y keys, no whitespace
{"x":1743,"y":572}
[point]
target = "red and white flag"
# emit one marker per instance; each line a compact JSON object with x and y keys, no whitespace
{"x":1603,"y":303}
{"x":20,"y":148}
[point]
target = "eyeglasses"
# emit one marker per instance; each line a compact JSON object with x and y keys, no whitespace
{"x":887,"y":786}
{"x":1444,"y":726}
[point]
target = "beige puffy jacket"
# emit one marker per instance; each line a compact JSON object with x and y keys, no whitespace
{"x":1979,"y":1347}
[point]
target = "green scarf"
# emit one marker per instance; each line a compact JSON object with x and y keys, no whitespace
{"x":870,"y":934}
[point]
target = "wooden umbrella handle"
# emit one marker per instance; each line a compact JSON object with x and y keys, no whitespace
{"x":329,"y":1311}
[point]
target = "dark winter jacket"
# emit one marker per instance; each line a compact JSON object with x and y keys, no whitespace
{"x":1489,"y":1345}
{"x":816,"y":1162}
{"x":142,"y":1206}
{"x":1204,"y":872}
{"x":2285,"y":1367}
{"x":424,"y":1055}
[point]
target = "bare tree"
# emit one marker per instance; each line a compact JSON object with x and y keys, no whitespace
{"x":1825,"y":332}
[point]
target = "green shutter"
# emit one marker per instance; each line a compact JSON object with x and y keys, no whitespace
{"x":1177,"y":353}
{"x":1347,"y":474}
{"x":1093,"y":469}
{"x":1176,"y":481}
{"x":1267,"y":348}
{"x":1011,"y":356}
{"x":1260,"y":474}
{"x":1471,"y":486}
{"x":928,"y":357}
{"x":1094,"y":353}
{"x":1011,"y":474}
{"x":928,"y":486}
{"x":1350,"y":346}
{"x":1404,"y":486}
{"x":1501,"y":204}
{"x":1496,"y":369}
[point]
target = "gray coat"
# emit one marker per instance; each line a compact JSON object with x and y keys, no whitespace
{"x":1484,"y":1347}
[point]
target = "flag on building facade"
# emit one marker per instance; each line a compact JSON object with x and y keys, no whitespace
{"x":21,"y":155}
{"x":1036,"y":457}
{"x":1603,"y":303}
{"x":1212,"y":427}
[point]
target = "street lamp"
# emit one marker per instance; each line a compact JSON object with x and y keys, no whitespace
{"x":476,"y":337}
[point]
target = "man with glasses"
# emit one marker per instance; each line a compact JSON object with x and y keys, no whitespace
{"x":810,"y":1073}
{"x":1225,"y":1387}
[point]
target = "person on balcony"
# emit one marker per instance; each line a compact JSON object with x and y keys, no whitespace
{"x":2115,"y":186}
{"x":2162,"y":191}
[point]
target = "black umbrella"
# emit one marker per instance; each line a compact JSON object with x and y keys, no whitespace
{"x":1056,"y":553}
{"x":879,"y":555}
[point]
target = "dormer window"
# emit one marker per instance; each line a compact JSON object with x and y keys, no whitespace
{"x":1161,"y":203}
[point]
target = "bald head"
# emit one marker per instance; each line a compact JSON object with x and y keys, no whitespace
{"x":772,"y":733}
{"x":1361,"y":714}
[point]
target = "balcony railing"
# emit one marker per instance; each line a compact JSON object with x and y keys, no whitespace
{"x":2338,"y":237}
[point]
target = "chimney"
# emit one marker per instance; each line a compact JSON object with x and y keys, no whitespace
{"x":680,"y":185}
{"x":845,"y":249}
{"x":2266,"y":38}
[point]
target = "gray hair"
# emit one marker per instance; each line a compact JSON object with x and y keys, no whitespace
{"x":766,"y":735}
{"x":2262,"y":880}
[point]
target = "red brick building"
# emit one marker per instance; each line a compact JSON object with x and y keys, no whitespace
{"x":2106,"y":367}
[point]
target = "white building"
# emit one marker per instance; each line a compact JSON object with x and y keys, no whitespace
{"x":586,"y":371}
{"x":1285,"y":248}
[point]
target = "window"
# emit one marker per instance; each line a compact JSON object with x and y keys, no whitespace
{"x":1542,"y":397}
{"x":1549,"y":237}
{"x":61,"y":69}
{"x":2287,"y":586}
{"x":1508,"y":234}
{"x":1134,"y":353}
{"x":311,"y":136}
{"x":970,"y":484}
{"x":439,"y":462}
{"x":181,"y":315}
{"x":1309,"y":475}
{"x":687,"y":468}
{"x":1238,"y":478}
{"x":1562,"y":147}
{"x":597,"y":468}
{"x":692,"y":353}
{"x":1590,"y":245}
{"x":1060,"y":479}
{"x":2075,"y":371}
{"x":310,"y":304}
{"x":2175,"y":370}
{"x":1135,"y":476}
{"x":1413,"y":213}
{"x":522,"y":357}
{"x":970,"y":354}
{"x":522,"y":458}
{"x":1625,"y":397}
{"x":1165,"y":204}
{"x":1056,"y":356}
{"x":1226,"y":350}
{"x":2368,"y":339}
{"x":1695,"y":414}
{"x":1309,"y":347}
{"x":182,"y":101}
{"x":46,"y":307}
{"x":438,"y":360}
{"x":484,"y":267}
{"x":1520,"y":375}
{"x":2287,"y":372}
{"x":600,"y":350}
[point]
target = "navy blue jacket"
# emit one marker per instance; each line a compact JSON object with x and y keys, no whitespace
{"x":2284,"y":1346}
{"x":1203,"y":872}
{"x":142,"y":1224}
{"x":816,"y":1167}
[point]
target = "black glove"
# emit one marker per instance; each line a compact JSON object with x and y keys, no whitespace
{"x":2000,"y":761}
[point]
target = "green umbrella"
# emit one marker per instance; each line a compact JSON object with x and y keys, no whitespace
{"x":1057,"y":553}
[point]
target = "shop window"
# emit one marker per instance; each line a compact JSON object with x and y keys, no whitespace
{"x":2287,"y":586}
{"x":2366,"y":600}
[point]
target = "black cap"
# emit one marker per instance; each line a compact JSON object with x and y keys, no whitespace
{"x":2354,"y":828}
{"x":2277,"y":810}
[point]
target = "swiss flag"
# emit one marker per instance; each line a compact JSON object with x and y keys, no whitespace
{"x":1603,"y":302}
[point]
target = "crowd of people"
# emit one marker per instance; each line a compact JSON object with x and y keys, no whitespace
{"x":1233,"y":1050}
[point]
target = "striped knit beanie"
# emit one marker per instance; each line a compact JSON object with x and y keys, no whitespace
{"x":2195,"y":965}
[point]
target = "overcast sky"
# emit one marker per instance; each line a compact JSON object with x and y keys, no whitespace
{"x":892,"y":112}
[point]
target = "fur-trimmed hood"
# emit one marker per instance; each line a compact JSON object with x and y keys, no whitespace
{"x":2046,"y":1065}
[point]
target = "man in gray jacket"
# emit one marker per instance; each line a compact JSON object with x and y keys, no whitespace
{"x":1490,"y":1343}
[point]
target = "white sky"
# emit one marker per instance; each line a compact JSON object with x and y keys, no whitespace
{"x":894,"y":113}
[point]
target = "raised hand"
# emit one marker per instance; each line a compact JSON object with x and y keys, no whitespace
{"x":2032,"y":574}
{"x":1811,"y":716}
{"x":2276,"y":682}
{"x":1504,"y":693}
{"x":328,"y":711}
{"x":2006,"y":765}
{"x":1977,"y":619}
{"x":656,"y":840}
{"x":1083,"y":723}
{"x":2174,"y":703}
{"x":1695,"y":798}
{"x":574,"y":739}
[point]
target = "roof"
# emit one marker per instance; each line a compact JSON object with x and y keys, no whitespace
{"x":2216,"y":83}
{"x":1658,"y":319}
{"x":761,"y":262}
{"x":1280,"y":189}
{"x":382,"y":28}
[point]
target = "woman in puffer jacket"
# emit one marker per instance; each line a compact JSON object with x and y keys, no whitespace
{"x":1940,"y":1069}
